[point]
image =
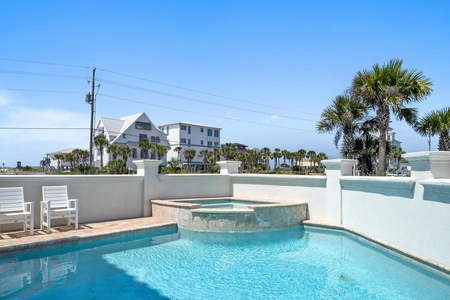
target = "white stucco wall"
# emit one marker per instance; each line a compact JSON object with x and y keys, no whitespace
{"x":308,"y":189}
{"x":101,"y":198}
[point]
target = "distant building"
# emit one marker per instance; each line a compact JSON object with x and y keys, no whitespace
{"x":64,"y":164}
{"x":190,"y":136}
{"x":390,"y":137}
{"x":128,"y":131}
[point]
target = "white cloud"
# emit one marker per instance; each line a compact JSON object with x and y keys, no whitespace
{"x":274,"y":118}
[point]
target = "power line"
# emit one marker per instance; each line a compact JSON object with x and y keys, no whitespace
{"x":209,"y":94}
{"x":44,"y":128}
{"x":42,"y":63}
{"x":43,"y":91}
{"x":42,"y":74}
{"x":154,"y":81}
{"x":199,"y":101}
{"x":203,"y":114}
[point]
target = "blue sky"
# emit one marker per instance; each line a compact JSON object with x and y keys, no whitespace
{"x":263,"y":71}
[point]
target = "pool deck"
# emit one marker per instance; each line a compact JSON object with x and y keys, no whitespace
{"x":63,"y":235}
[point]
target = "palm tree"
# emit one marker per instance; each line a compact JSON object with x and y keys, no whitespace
{"x":436,"y":122}
{"x":101,"y":142}
{"x":300,"y":155}
{"x":276,"y":154}
{"x":189,"y":154}
{"x":59,"y":157}
{"x":321,"y":156}
{"x":116,"y":166}
{"x":125,"y":151}
{"x":266,"y":155}
{"x":159,"y":151}
{"x":71,"y":159}
{"x":77,"y":154}
{"x":390,"y":87}
{"x":113,"y":150}
{"x":396,"y":155}
{"x":312,"y":158}
{"x":344,"y":116}
{"x":173,"y":164}
{"x":228,"y":151}
{"x":178,"y":149}
{"x":285,"y":154}
{"x":252,"y":156}
{"x":84,"y":156}
{"x":144,"y":145}
{"x":205,"y":154}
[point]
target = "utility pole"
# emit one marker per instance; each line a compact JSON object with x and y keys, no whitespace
{"x":90,"y":98}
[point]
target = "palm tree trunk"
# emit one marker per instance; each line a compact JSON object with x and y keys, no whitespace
{"x":383,"y":115}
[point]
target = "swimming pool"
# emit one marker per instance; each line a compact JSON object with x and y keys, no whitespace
{"x":294,"y":263}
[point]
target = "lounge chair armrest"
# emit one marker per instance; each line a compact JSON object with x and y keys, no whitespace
{"x":45,"y":204}
{"x":73,"y":202}
{"x":28,"y":206}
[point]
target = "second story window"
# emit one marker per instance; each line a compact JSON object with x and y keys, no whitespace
{"x":183,"y":127}
{"x":189,"y":129}
{"x":216,"y":133}
{"x":209,"y":132}
{"x":142,"y":136}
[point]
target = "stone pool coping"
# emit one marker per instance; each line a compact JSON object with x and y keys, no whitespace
{"x":19,"y":241}
{"x":184,"y":203}
{"x":406,"y":254}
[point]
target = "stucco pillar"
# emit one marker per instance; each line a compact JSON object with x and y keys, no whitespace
{"x":229,"y":167}
{"x":148,"y":169}
{"x":335,"y":168}
{"x":429,"y":165}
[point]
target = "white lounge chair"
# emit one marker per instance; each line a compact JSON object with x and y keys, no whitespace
{"x":57,"y":205}
{"x":14,"y":209}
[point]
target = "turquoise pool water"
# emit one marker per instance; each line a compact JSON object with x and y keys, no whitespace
{"x":233,"y":205}
{"x":282,"y":264}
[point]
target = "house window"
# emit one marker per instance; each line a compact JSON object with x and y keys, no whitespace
{"x":201,"y":142}
{"x":183,"y":141}
{"x":209,"y":144}
{"x":189,"y":142}
{"x":209,"y":132}
{"x":155,"y":139}
{"x":201,"y":129}
{"x":189,"y":129}
{"x":142,"y":136}
{"x":216,"y":133}
{"x":124,"y":136}
{"x":183,"y":127}
{"x":216,"y":144}
{"x":167,"y":129}
{"x":143,"y":125}
{"x":134,"y":153}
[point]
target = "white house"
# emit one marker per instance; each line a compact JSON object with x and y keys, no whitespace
{"x":190,"y":136}
{"x":128,"y":131}
{"x":390,"y":137}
